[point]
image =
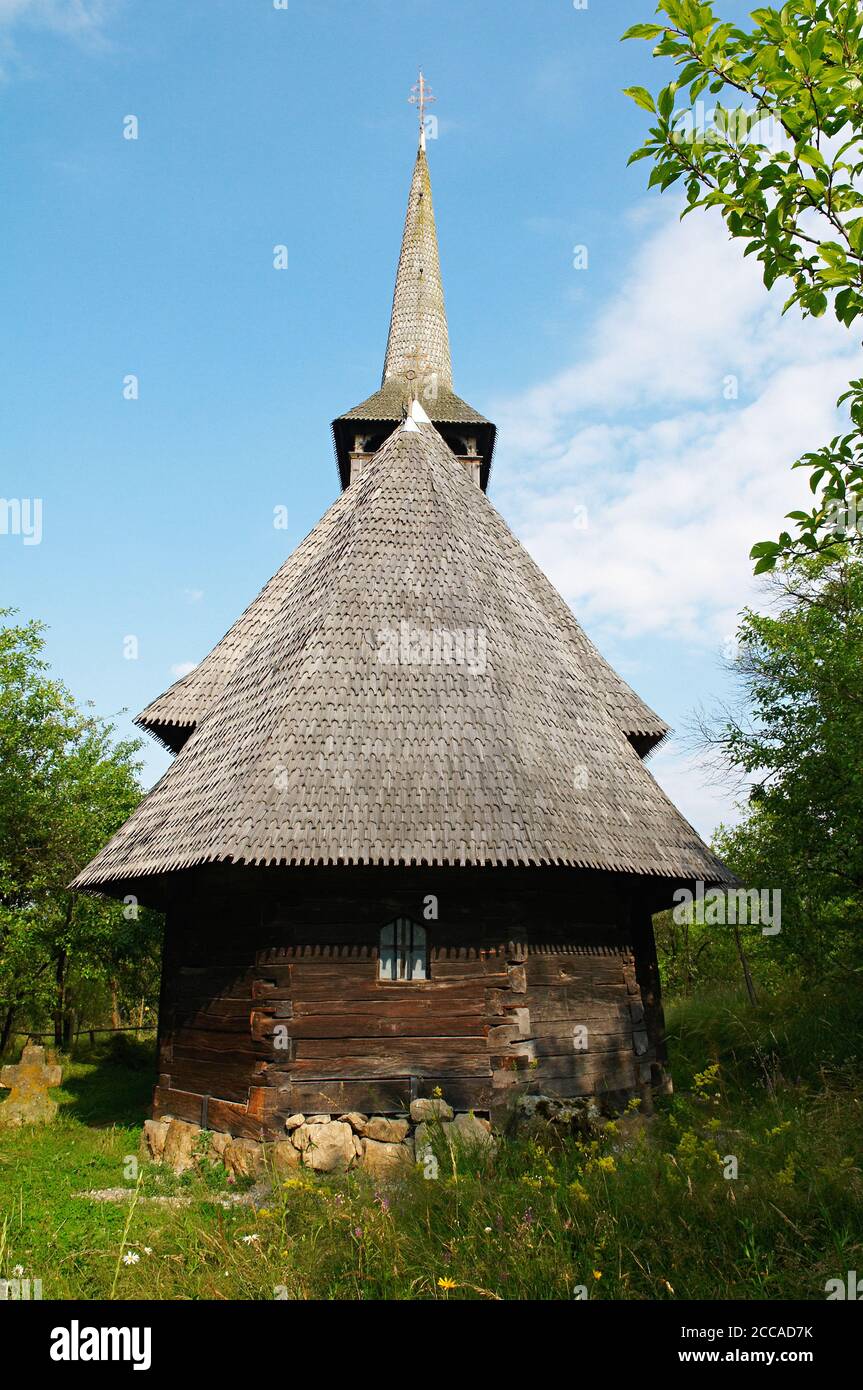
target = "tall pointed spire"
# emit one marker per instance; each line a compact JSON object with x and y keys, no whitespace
{"x":418,"y":342}
{"x":417,"y":364}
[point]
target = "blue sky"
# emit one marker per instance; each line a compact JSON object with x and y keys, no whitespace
{"x":261,"y":126}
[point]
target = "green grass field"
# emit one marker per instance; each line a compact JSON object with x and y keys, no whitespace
{"x":636,"y":1211}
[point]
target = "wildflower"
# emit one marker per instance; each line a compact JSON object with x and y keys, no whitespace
{"x":447,"y":1284}
{"x":668,"y":1286}
{"x":597,"y":1274}
{"x":147,"y":1250}
{"x":579,"y":1191}
{"x":249,"y":1240}
{"x":358,"y":1232}
{"x":131,"y":1257}
{"x":487,"y":1230}
{"x":18,"y":1271}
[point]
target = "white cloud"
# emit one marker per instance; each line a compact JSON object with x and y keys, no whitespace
{"x":65,"y":16}
{"x":686,"y":779}
{"x":194,"y":595}
{"x":81,"y":20}
{"x":678,"y":481}
{"x":182,"y":668}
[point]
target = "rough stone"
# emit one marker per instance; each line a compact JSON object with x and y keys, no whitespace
{"x":356,"y":1121}
{"x":153,"y":1138}
{"x":386,"y":1131}
{"x":284,"y":1155}
{"x":578,"y":1115}
{"x":470,"y":1131}
{"x":423,"y":1140}
{"x":244,"y":1158}
{"x":318,"y":1119}
{"x":294,"y":1122}
{"x":424,"y":1110}
{"x":383,"y":1158}
{"x":29,"y":1080}
{"x":328,"y":1148}
{"x":218,"y":1143}
{"x":179,"y":1148}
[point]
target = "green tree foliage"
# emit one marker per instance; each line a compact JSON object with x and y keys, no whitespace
{"x":799,"y":741}
{"x":65,"y":787}
{"x":781,"y":157}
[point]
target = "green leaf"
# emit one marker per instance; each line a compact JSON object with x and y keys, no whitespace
{"x":641,"y":97}
{"x":643,"y":31}
{"x":811,"y":156}
{"x":666,"y":101}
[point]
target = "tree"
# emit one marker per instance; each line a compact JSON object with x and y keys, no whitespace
{"x":798,"y":739}
{"x":65,"y":787}
{"x":781,"y":160}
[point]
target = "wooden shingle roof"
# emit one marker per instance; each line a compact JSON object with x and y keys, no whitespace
{"x":408,"y":688}
{"x":419,"y":335}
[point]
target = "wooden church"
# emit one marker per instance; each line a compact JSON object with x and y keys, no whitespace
{"x":408,"y":840}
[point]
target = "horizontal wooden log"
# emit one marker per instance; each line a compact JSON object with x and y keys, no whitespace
{"x":355,"y":1025}
{"x":241,"y":1049}
{"x":603,"y":1071}
{"x":337,"y":1097}
{"x":211,"y":1078}
{"x":400,"y":1049}
{"x":393,"y":1003}
{"x":390,"y":1066}
{"x":564,"y":1044}
{"x":314,"y":988}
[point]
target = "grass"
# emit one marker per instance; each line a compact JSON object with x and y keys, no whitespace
{"x":634,"y":1211}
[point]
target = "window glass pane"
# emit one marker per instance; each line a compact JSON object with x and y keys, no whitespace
{"x":403,"y":953}
{"x":417,"y":957}
{"x":387,"y":954}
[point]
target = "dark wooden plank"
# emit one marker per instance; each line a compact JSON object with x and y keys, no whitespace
{"x":402,"y":1048}
{"x":355,"y":1025}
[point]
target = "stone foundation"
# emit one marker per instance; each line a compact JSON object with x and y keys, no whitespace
{"x":381,"y":1144}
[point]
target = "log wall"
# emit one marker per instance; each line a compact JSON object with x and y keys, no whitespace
{"x":272,"y":1005}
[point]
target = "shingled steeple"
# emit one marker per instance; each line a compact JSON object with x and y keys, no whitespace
{"x":417,"y":363}
{"x":418,"y":342}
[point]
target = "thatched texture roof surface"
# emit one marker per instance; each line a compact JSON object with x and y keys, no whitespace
{"x":419,"y":336}
{"x":408,"y":688}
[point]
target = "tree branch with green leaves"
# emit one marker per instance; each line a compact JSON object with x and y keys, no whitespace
{"x":781,"y":157}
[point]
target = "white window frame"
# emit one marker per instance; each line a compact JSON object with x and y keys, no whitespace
{"x":403,"y":952}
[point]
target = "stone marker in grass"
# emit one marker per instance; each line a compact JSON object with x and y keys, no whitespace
{"x":29,"y":1079}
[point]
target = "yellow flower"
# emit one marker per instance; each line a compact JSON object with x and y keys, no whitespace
{"x":447,"y":1284}
{"x":597,"y":1274}
{"x":579,"y":1191}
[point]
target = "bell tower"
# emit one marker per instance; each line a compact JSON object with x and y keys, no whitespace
{"x":417,"y":362}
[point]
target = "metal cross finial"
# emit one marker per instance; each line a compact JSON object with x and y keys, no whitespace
{"x":421,"y":97}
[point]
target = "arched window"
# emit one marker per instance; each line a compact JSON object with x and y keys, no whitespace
{"x":404,"y":952}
